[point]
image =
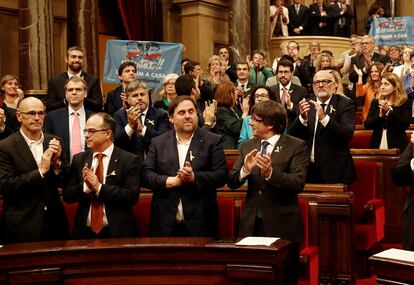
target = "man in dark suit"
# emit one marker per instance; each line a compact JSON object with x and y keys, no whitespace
{"x":183,"y":168}
{"x":55,"y":88}
{"x":223,"y":53}
{"x":74,"y":115}
{"x":137,"y":125}
{"x":342,"y":15}
{"x":274,"y":165}
{"x":364,"y":59}
{"x":127,"y":72}
{"x":105,"y":182}
{"x":243,"y":85}
{"x":30,"y":174}
{"x":320,"y":18}
{"x":402,"y":175}
{"x":326,"y":123}
{"x":288,"y":94}
{"x":298,"y":19}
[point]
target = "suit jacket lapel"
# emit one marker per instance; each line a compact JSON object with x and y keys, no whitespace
{"x":280,"y":145}
{"x":195,"y":146}
{"x":277,"y":93}
{"x":172,"y":150}
{"x":65,"y":125}
{"x":24,"y":151}
{"x":113,"y":164}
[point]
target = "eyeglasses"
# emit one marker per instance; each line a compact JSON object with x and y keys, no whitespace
{"x":34,"y":113}
{"x":93,"y":131}
{"x":255,"y":120}
{"x":78,"y":90}
{"x":261,"y":96}
{"x":324,"y":82}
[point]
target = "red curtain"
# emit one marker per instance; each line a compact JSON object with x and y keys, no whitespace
{"x":131,"y":18}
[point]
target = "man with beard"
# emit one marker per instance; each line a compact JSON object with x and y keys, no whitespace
{"x":127,"y":72}
{"x":274,"y":166}
{"x":287,"y":93}
{"x":183,"y":168}
{"x":326,"y":123}
{"x":138,"y":122}
{"x":55,"y":88}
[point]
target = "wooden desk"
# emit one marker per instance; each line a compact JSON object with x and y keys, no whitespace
{"x":392,"y":271}
{"x":141,"y":261}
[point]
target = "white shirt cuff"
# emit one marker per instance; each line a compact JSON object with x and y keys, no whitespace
{"x":304,"y":122}
{"x":243,"y":174}
{"x":325,"y":120}
{"x":129,"y":131}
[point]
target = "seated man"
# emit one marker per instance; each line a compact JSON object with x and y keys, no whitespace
{"x":105,"y":182}
{"x":139,"y":123}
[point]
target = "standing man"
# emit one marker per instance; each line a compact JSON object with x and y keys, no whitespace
{"x":137,"y":124}
{"x":183,"y":168}
{"x":274,"y":165}
{"x":342,"y":15}
{"x":320,"y":18}
{"x":105,"y":182}
{"x":68,"y":123}
{"x":55,"y":88}
{"x":288,"y":94}
{"x":223,"y":53}
{"x":243,"y":85}
{"x":326,"y":123}
{"x":30,"y":174}
{"x":298,"y":19}
{"x":127,"y":72}
{"x":403,"y":175}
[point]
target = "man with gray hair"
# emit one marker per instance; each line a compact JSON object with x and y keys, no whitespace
{"x":139,"y":122}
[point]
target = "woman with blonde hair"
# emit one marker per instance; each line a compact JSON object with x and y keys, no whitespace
{"x":324,"y":61}
{"x":338,"y":82}
{"x":228,"y":118}
{"x":390,"y":115}
{"x":167,"y":93}
{"x":10,"y":92}
{"x":371,"y":89}
{"x":405,"y":68}
{"x":217,"y":71}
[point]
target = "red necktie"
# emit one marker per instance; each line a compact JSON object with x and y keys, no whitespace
{"x":76,"y":135}
{"x":97,"y":206}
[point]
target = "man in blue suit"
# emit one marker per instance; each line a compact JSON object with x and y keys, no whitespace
{"x":137,"y":124}
{"x":69,"y":122}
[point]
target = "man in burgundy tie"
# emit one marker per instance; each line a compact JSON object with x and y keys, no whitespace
{"x":105,"y":182}
{"x":68,"y":122}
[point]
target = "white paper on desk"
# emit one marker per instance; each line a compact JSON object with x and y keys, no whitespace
{"x":396,"y":254}
{"x":266,"y":241}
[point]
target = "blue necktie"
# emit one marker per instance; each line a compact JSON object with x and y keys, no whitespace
{"x":264,"y":147}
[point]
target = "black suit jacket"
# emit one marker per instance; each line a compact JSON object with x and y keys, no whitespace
{"x":156,"y":122}
{"x":26,"y":194}
{"x":113,"y":100}
{"x":57,"y":123}
{"x":359,"y":61}
{"x":276,"y":198}
{"x":316,"y":20}
{"x":396,"y":123}
{"x":332,"y":154}
{"x":199,"y":200}
{"x":297,"y":20}
{"x":402,"y":175}
{"x":297,"y":93}
{"x":56,"y":94}
{"x":119,"y":193}
{"x":345,"y":30}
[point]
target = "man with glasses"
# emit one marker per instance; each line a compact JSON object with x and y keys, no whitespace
{"x":139,"y":122}
{"x":288,"y":94}
{"x":364,"y":59}
{"x":326,"y":122}
{"x":30,"y":174}
{"x":105,"y":182}
{"x":274,"y":165}
{"x":68,"y":122}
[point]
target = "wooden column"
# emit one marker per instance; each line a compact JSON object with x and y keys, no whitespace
{"x":261,"y":25}
{"x":239,"y":29}
{"x":83,"y":31}
{"x":35,"y":43}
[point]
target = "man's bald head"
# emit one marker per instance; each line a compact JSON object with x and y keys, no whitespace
{"x":28,"y":102}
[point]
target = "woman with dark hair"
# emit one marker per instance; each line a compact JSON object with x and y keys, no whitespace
{"x":259,"y":93}
{"x":371,"y":89}
{"x":374,"y":12}
{"x":229,"y":120}
{"x":389,"y":115}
